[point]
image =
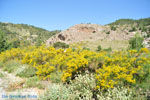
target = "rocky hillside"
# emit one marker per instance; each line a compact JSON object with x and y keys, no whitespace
{"x":118,"y":32}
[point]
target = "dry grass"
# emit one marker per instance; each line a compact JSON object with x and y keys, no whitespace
{"x":115,"y":44}
{"x":16,"y":85}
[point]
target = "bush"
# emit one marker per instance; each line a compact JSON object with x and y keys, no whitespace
{"x":56,"y":77}
{"x":60,"y":45}
{"x":116,"y":94}
{"x":1,"y":64}
{"x":108,"y":32}
{"x":99,"y":48}
{"x":79,"y":89}
{"x":83,"y":86}
{"x":113,"y":28}
{"x":133,"y":29}
{"x":143,"y":29}
{"x":11,"y":66}
{"x":122,"y":69}
{"x":108,"y":49}
{"x":28,"y":71}
{"x":57,"y":92}
{"x":85,"y":48}
{"x":38,"y":41}
{"x":14,"y":44}
{"x":3,"y":43}
{"x":136,"y":42}
{"x":144,"y":78}
{"x":1,"y":75}
{"x":33,"y":82}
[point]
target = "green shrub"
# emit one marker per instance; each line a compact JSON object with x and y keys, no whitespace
{"x":99,"y":48}
{"x":60,"y":45}
{"x":1,"y":64}
{"x":115,"y":94}
{"x":143,"y":80}
{"x":133,"y":29}
{"x":143,"y":29}
{"x":85,"y":48}
{"x":11,"y":66}
{"x":136,"y":42}
{"x":56,"y":77}
{"x":3,"y":43}
{"x":113,"y":28}
{"x":83,"y":86}
{"x":57,"y":92}
{"x":14,"y":44}
{"x":108,"y":49}
{"x":1,"y":75}
{"x":38,"y":41}
{"x":33,"y":82}
{"x":28,"y":71}
{"x":148,"y":35}
{"x":108,"y":32}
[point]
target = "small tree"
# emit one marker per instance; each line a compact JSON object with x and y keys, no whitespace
{"x":136,"y":42}
{"x":3,"y":43}
{"x":38,"y":41}
{"x":99,"y":48}
{"x":113,"y":28}
{"x":14,"y":44}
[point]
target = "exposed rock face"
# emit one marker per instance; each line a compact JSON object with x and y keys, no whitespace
{"x":90,"y":32}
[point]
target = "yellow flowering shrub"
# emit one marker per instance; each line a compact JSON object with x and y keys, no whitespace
{"x":120,"y":67}
{"x":110,"y":69}
{"x":14,"y":53}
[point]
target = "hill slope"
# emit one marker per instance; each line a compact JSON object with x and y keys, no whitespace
{"x":25,"y":32}
{"x":113,"y":35}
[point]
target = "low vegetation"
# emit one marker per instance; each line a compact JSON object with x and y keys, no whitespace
{"x":136,"y":42}
{"x":75,"y":73}
{"x":1,"y":75}
{"x":60,"y":45}
{"x":82,"y":71}
{"x":24,"y":35}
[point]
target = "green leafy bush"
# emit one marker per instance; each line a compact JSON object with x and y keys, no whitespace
{"x":1,"y":64}
{"x":1,"y":75}
{"x":14,"y":44}
{"x":113,"y":28}
{"x":144,"y":78}
{"x":3,"y":43}
{"x":81,"y":88}
{"x":116,"y":94}
{"x":108,"y":49}
{"x":136,"y":42}
{"x":60,"y":45}
{"x":33,"y":82}
{"x":99,"y":48}
{"x":133,"y":29}
{"x":85,"y":48}
{"x":57,"y":92}
{"x":28,"y":71}
{"x":56,"y":77}
{"x":108,"y":32}
{"x":11,"y":66}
